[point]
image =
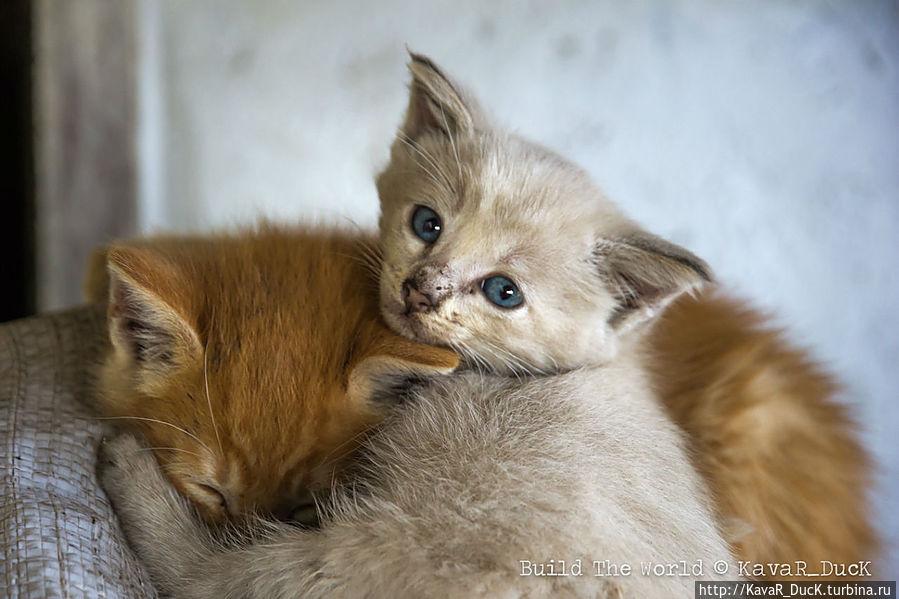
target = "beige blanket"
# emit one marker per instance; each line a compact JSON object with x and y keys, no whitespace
{"x":58,"y":535}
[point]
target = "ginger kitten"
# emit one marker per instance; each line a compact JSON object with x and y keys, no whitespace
{"x":509,"y":254}
{"x":251,"y":363}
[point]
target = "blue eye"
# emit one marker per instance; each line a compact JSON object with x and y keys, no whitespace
{"x":502,"y":292}
{"x":426,"y":224}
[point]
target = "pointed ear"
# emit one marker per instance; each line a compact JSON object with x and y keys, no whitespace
{"x":148,"y":327}
{"x":436,"y":104}
{"x":391,"y":362}
{"x":645,"y":273}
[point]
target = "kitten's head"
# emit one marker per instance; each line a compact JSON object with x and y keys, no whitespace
{"x":505,"y":251}
{"x":252,"y":365}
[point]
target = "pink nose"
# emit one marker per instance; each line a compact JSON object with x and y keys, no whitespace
{"x":415,"y":300}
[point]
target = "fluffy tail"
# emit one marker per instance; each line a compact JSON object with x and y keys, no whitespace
{"x":778,"y":449}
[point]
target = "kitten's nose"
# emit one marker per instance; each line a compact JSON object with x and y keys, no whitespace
{"x":415,"y":300}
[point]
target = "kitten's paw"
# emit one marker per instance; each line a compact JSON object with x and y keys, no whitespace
{"x":156,"y":520}
{"x":119,"y":451}
{"x":126,"y":468}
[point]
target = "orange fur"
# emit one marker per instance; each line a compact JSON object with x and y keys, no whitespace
{"x":778,"y":449}
{"x":283,"y":327}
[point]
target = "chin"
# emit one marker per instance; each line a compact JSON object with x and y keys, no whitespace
{"x":399,"y":324}
{"x":394,"y":314}
{"x":422,"y":333}
{"x":410,"y":326}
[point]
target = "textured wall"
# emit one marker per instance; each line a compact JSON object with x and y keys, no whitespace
{"x":763,"y":135}
{"x":84,"y":148}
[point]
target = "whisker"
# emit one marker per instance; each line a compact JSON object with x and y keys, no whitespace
{"x":528,"y":366}
{"x":555,"y":363}
{"x":371,"y":252}
{"x":483,"y":365}
{"x":514,"y":362}
{"x":206,"y":383}
{"x":437,"y":164}
{"x":353,"y":223}
{"x":418,"y":149}
{"x":502,"y":359}
{"x":372,"y":269}
{"x":480,"y":364}
{"x":368,"y":257}
{"x":178,"y":428}
{"x":452,"y":142}
{"x":437,"y":175}
{"x":352,"y":439}
{"x":437,"y":183}
{"x":456,"y":348}
{"x":170,"y":449}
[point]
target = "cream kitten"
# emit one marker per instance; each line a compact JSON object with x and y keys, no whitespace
{"x":512,"y":256}
{"x":453,"y":495}
{"x":505,"y":251}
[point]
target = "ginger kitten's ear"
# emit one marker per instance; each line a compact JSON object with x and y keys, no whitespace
{"x":389,"y":362}
{"x":148,"y":326}
{"x":436,"y":104}
{"x":645,"y":273}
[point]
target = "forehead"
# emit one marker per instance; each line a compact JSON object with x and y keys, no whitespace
{"x":278,"y":352}
{"x":518,"y":199}
{"x":271,"y":385}
{"x":282,"y":341}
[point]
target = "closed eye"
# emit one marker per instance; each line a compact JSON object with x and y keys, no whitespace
{"x":210,"y":496}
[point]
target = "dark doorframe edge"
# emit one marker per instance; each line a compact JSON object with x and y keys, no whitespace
{"x":17,"y":215}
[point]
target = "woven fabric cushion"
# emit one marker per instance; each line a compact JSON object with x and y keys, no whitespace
{"x":58,"y":534}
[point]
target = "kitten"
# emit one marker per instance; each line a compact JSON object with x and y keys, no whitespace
{"x":251,"y":363}
{"x":509,"y":254}
{"x":506,"y":252}
{"x":467,"y":489}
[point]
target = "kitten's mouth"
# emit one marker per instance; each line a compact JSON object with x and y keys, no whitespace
{"x":415,"y":321}
{"x":409,"y":323}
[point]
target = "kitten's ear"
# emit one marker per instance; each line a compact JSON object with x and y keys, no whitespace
{"x":389,"y":363}
{"x":147,"y":319}
{"x":645,"y":273}
{"x":436,"y":104}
